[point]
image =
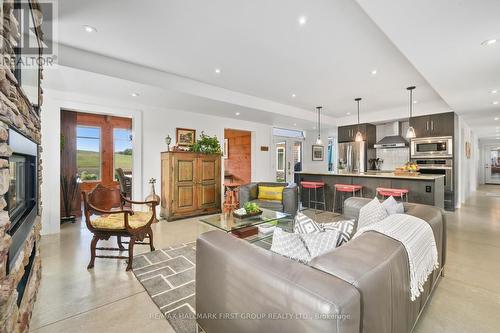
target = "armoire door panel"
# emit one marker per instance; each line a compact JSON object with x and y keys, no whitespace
{"x":186,"y":196}
{"x":208,"y":170}
{"x":207,"y":195}
{"x":185,"y":170}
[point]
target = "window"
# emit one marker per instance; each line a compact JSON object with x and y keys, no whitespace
{"x":88,"y":152}
{"x":288,"y":133}
{"x":122,"y":151}
{"x":280,"y":159}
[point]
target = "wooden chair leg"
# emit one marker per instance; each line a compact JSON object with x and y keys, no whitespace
{"x":130,"y":253}
{"x":120,"y":245}
{"x":151,"y":246}
{"x":93,"y":245}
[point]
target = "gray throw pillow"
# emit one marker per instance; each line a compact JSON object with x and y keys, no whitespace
{"x":305,"y":225}
{"x":290,"y":245}
{"x":319,"y":243}
{"x":345,"y":229}
{"x":392,"y":206}
{"x":370,"y":213}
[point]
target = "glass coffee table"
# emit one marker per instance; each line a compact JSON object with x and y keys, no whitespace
{"x":247,"y":228}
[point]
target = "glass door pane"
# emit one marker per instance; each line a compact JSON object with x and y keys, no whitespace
{"x":494,"y":171}
{"x":122,"y":150}
{"x":88,"y":153}
{"x":280,"y":148}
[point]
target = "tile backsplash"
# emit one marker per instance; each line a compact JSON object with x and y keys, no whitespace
{"x":393,"y":157}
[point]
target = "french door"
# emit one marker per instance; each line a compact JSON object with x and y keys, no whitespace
{"x":287,"y":158}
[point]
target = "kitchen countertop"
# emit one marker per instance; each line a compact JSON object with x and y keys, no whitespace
{"x":373,"y":174}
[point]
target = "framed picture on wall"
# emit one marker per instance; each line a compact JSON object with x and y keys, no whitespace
{"x":318,"y":153}
{"x":226,"y":148}
{"x":185,"y":136}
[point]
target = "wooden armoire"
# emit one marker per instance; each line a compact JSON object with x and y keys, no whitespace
{"x":190,"y":184}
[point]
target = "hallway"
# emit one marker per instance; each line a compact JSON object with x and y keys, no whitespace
{"x":108,"y":299}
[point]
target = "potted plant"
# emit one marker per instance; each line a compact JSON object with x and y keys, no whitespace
{"x":206,"y":145}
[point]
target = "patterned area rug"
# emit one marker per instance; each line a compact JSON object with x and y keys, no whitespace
{"x":168,"y":277}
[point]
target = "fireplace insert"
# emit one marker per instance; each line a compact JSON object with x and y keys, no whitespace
{"x":22,"y":194}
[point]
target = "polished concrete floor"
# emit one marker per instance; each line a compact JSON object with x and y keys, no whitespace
{"x":108,"y":299}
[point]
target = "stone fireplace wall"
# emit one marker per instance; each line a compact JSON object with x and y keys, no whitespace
{"x":15,"y":112}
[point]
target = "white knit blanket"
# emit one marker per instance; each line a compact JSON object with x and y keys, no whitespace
{"x":416,"y":236}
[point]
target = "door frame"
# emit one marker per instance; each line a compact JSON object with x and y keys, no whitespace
{"x":289,"y":167}
{"x":486,"y":158}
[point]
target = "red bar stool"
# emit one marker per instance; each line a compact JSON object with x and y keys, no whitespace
{"x":346,"y":188}
{"x":315,"y":186}
{"x":402,"y":193}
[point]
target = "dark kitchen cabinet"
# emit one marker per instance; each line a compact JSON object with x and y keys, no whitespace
{"x":441,"y":124}
{"x":348,"y":133}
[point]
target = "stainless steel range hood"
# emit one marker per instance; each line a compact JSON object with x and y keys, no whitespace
{"x":393,"y":141}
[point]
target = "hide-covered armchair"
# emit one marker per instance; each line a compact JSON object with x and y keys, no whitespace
{"x":106,"y":216}
{"x":288,"y":202}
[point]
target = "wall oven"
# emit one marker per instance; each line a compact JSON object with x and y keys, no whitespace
{"x":440,"y":167}
{"x":436,"y":147}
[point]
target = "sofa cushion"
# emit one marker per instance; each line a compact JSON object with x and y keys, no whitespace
{"x":269,"y":204}
{"x":290,"y":245}
{"x":345,"y":229}
{"x":372,"y":212}
{"x":270,"y":193}
{"x":303,"y":224}
{"x":392,"y":206}
{"x":319,"y":243}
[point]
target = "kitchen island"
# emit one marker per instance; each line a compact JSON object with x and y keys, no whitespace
{"x":424,"y":189}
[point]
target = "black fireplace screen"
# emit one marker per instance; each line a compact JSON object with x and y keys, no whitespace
{"x":22,"y":195}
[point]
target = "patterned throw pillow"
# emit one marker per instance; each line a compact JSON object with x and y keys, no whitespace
{"x":290,"y":245}
{"x":320,"y":242}
{"x":274,"y":193}
{"x":392,"y":206}
{"x":372,"y":212}
{"x":345,"y":229}
{"x":305,"y":225}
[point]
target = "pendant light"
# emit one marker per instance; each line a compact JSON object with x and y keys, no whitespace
{"x":410,"y":133}
{"x":359,"y":136}
{"x":318,"y":140}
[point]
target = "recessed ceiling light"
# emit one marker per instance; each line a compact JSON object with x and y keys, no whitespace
{"x":496,"y":118}
{"x":494,"y":91}
{"x":237,"y":113}
{"x":89,"y":28}
{"x":489,"y":42}
{"x":217,"y":71}
{"x":134,"y":94}
{"x":293,"y":95}
{"x":294,"y":124}
{"x":348,"y":113}
{"x":494,"y":102}
{"x":314,"y":127}
{"x":374,"y":72}
{"x":302,"y":20}
{"x":415,"y":102}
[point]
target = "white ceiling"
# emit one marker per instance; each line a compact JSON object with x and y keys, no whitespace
{"x":259,"y":46}
{"x":263,"y":51}
{"x":443,"y":40}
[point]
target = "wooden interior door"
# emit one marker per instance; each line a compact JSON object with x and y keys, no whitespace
{"x":184,"y":182}
{"x":208,"y":180}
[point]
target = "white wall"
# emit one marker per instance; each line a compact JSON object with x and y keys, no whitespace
{"x":150,"y":127}
{"x":319,"y":166}
{"x":468,"y":168}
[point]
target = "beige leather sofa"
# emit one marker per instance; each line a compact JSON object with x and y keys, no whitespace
{"x":362,"y":286}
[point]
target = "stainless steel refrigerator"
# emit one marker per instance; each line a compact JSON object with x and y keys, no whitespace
{"x":353,"y":156}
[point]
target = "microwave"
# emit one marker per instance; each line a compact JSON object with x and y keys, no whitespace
{"x":435,"y":147}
